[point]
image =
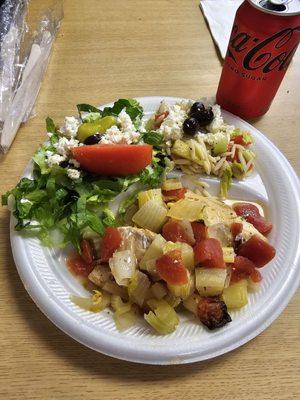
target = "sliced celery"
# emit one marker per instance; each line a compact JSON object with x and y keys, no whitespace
{"x":210,"y":281}
{"x":236,"y":295}
{"x":152,"y":215}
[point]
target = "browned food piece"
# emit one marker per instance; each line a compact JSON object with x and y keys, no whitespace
{"x":136,"y":239}
{"x":100,"y":274}
{"x":212,"y":312}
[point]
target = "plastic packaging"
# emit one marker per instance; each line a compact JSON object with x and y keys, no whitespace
{"x":24,"y":56}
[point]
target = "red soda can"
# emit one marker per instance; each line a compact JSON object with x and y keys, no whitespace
{"x":264,"y":38}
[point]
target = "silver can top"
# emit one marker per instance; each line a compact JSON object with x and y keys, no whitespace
{"x":278,"y":7}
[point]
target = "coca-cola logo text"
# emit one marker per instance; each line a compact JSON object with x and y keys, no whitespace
{"x":267,"y":55}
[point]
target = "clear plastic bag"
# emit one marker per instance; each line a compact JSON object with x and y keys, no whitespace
{"x":24,"y":56}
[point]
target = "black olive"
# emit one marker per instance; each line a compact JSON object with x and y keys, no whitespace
{"x":94,"y":139}
{"x":190,"y":126}
{"x":197,"y":107}
{"x":64,"y":164}
{"x":205,"y":117}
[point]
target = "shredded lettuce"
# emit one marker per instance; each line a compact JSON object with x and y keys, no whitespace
{"x":153,"y":137}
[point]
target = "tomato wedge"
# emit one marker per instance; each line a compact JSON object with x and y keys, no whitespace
{"x":251,"y":214}
{"x":113,"y":159}
{"x":200,"y":231}
{"x":86,"y":251}
{"x":79,"y":266}
{"x":111,"y":241}
{"x":243,"y":268}
{"x":171,"y":269}
{"x":174,"y":231}
{"x":173,"y":195}
{"x":235,"y":229}
{"x":257,"y":250}
{"x":208,"y":253}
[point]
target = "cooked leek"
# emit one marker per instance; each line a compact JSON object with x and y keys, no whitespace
{"x":158,"y":290}
{"x":183,"y":291}
{"x":171,"y":184}
{"x":228,"y":254}
{"x":215,"y":214}
{"x":191,"y":303}
{"x":152,"y":194}
{"x":152,"y":215}
{"x":221,"y":232}
{"x":119,"y":306}
{"x":210,"y":281}
{"x":97,"y":302}
{"x":236,"y":295}
{"x":100,"y":275}
{"x":123,"y":266}
{"x":163,"y":318}
{"x":125,"y":321}
{"x":187,"y":253}
{"x":188,"y":209}
{"x":153,"y":252}
{"x":172,"y":300}
{"x":181,"y":149}
{"x":114,"y":288}
{"x":138,"y":287}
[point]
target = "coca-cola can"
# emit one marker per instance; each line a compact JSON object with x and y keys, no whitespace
{"x":264,"y":38}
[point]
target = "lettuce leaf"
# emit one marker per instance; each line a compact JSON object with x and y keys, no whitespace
{"x":132,"y":107}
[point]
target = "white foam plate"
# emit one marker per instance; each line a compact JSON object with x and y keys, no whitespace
{"x":50,"y":284}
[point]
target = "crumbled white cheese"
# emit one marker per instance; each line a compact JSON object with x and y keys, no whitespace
{"x":126,"y":133}
{"x":55,"y":159}
{"x":185,"y":105}
{"x":115,"y":135}
{"x":218,"y":123}
{"x":74,"y":162}
{"x":49,"y":153}
{"x":211,"y":138}
{"x":73,"y":173}
{"x":125,"y":121}
{"x":70,"y":127}
{"x":64,"y":145}
{"x":49,"y":134}
{"x":171,"y":126}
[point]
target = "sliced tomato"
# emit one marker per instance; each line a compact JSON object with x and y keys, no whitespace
{"x":111,"y":241}
{"x":200,"y":231}
{"x":257,"y":250}
{"x":256,"y":276}
{"x":79,"y":266}
{"x":251,"y":214}
{"x":235,"y":229}
{"x":113,"y":159}
{"x":241,"y":269}
{"x":208,"y":253}
{"x":87,"y":253}
{"x":171,"y":269}
{"x":239,"y":140}
{"x":174,"y":231}
{"x":173,"y":195}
